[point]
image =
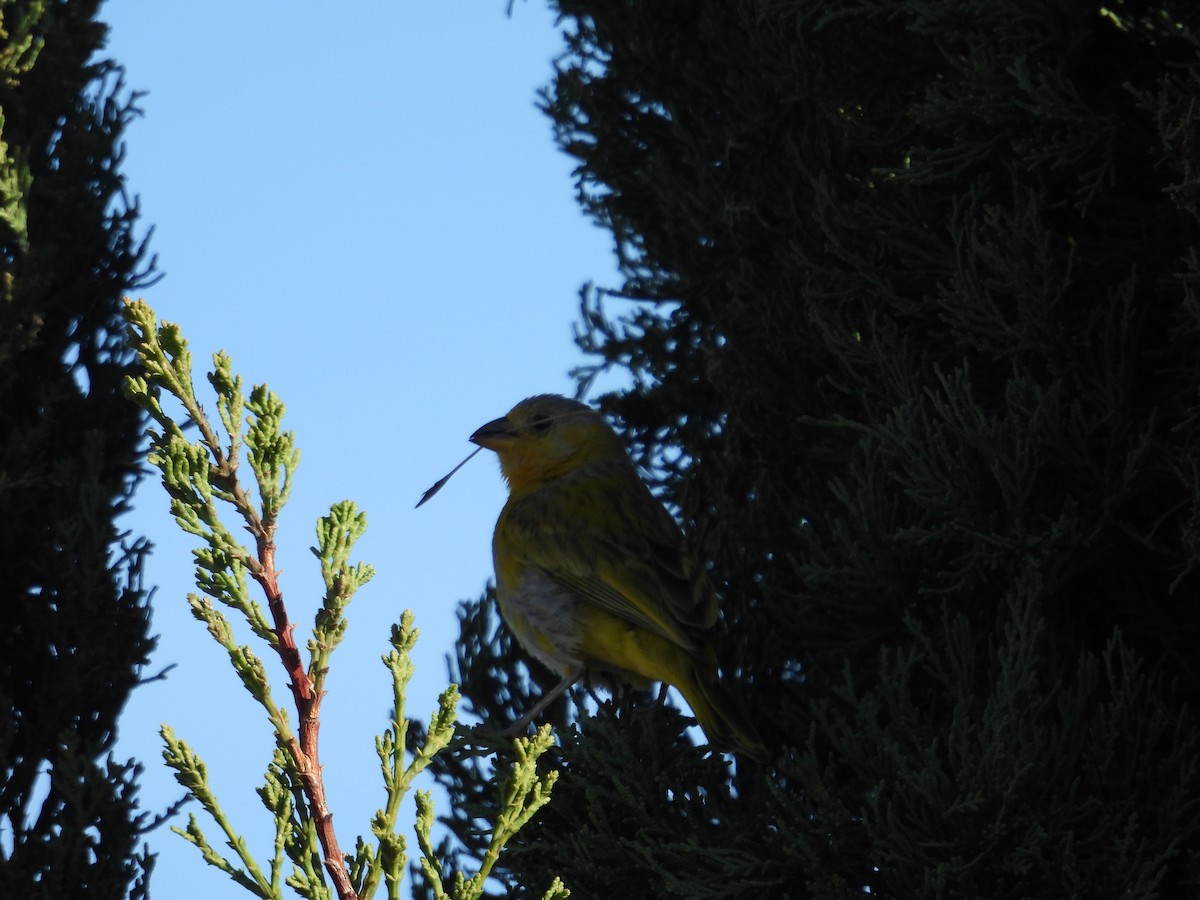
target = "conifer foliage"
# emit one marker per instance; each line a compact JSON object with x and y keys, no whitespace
{"x":75,"y":615}
{"x":911,"y":300}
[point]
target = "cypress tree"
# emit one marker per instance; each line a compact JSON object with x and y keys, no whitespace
{"x":911,"y":301}
{"x":76,"y":616}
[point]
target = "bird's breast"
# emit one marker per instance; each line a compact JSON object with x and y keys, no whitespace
{"x":543,"y":615}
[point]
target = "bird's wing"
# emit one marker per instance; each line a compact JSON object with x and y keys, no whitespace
{"x":610,"y":542}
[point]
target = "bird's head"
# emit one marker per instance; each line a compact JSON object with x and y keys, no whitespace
{"x":546,"y":436}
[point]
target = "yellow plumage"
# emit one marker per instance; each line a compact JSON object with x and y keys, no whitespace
{"x":592,"y":574}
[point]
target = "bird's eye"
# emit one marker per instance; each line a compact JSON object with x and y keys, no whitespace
{"x":540,"y":424}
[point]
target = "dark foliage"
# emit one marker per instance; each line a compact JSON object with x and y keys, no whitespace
{"x":75,"y":612}
{"x":912,"y":303}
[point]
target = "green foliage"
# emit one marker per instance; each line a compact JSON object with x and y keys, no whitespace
{"x":21,"y":45}
{"x":76,"y":624}
{"x":910,"y":301}
{"x":201,"y":478}
{"x":522,"y":793}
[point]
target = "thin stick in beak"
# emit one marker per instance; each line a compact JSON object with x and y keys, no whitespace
{"x":437,"y":486}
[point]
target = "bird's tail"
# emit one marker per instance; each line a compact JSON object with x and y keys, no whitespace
{"x":724,"y":723}
{"x":637,"y":655}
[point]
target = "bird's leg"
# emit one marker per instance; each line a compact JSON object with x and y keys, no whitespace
{"x":519,"y":726}
{"x":652,"y":710}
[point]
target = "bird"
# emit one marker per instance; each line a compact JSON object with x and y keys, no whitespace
{"x":593,"y":576}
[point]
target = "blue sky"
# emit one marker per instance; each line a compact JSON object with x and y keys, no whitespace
{"x":363,"y":206}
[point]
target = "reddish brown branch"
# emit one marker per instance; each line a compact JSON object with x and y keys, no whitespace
{"x":289,"y":653}
{"x":304,"y":749}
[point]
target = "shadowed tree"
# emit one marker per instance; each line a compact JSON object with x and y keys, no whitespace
{"x":75,"y":612}
{"x":910,"y":302}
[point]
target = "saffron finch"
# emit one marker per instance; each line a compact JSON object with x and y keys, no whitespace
{"x":593,"y":576}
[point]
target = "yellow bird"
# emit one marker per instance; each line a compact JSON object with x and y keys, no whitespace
{"x":593,"y":576}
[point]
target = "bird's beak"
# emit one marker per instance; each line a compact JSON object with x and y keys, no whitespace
{"x":495,"y":435}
